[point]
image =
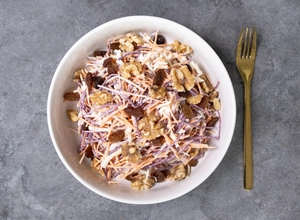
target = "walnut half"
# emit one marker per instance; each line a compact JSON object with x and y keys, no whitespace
{"x":143,"y":183}
{"x":177,"y":173}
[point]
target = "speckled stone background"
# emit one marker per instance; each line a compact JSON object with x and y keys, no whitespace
{"x":35,"y":35}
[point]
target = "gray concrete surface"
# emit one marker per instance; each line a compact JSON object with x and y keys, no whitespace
{"x":34,"y":36}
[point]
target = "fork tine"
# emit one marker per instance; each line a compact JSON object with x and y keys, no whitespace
{"x":248,"y":52}
{"x":240,"y":44}
{"x":244,"y":54}
{"x":253,"y":48}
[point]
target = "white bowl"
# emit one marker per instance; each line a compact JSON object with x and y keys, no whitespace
{"x":66,"y":142}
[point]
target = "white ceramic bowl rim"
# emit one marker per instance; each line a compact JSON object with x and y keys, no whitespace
{"x":209,"y":62}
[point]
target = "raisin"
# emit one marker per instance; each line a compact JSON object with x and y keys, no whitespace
{"x":158,"y":141}
{"x":108,"y":62}
{"x":136,"y":112}
{"x":115,"y":46}
{"x":71,"y":96}
{"x":98,"y":81}
{"x":116,"y":136}
{"x":159,"y":176}
{"x":204,"y":102}
{"x":187,"y":111}
{"x":193,"y":162}
{"x":159,"y":77}
{"x":212,"y":122}
{"x":99,"y":53}
{"x":85,"y":127}
{"x":160,"y":39}
{"x":89,"y":152}
{"x":184,"y":94}
{"x":89,"y":80}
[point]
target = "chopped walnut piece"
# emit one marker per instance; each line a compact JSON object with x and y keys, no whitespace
{"x":216,"y":104}
{"x":77,"y":74}
{"x":177,"y":173}
{"x":95,"y":164}
{"x":189,"y":79}
{"x":143,"y":183}
{"x":131,"y":152}
{"x":100,"y":98}
{"x":182,"y":79}
{"x":194,"y":99}
{"x":133,"y":67}
{"x":127,"y":42}
{"x":157,"y":92}
{"x":181,"y":48}
{"x":176,"y":81}
{"x":213,"y":95}
{"x":150,"y":127}
{"x":73,"y":115}
{"x":206,"y":85}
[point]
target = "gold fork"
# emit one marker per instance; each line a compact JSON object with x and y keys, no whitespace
{"x":245,"y":61}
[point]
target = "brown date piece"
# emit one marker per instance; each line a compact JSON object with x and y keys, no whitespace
{"x":116,"y":136}
{"x":115,"y":46}
{"x":136,"y":112}
{"x":89,"y":152}
{"x":158,"y":141}
{"x":159,"y":77}
{"x":71,"y":96}
{"x":159,"y":176}
{"x":89,"y":80}
{"x":108,"y":62}
{"x":99,"y":53}
{"x":193,"y":162}
{"x":204,"y":102}
{"x":184,"y":94}
{"x":212,"y":122}
{"x":187,"y":111}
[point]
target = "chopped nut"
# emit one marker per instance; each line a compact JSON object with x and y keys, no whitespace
{"x":213,"y":95}
{"x":206,"y":85}
{"x":181,"y":48}
{"x":127,"y":42}
{"x":182,"y":79}
{"x":71,"y":96}
{"x":77,"y":74}
{"x":73,"y":115}
{"x":175,"y":81}
{"x":157,"y":92}
{"x":131,"y":152}
{"x":133,"y":67}
{"x":177,"y":173}
{"x":150,"y":127}
{"x":116,"y":136}
{"x":194,"y":99}
{"x":216,"y":104}
{"x":95,"y":164}
{"x":189,"y":79}
{"x":143,"y":183}
{"x":100,"y":98}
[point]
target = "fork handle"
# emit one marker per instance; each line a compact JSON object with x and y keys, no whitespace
{"x":248,"y":160}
